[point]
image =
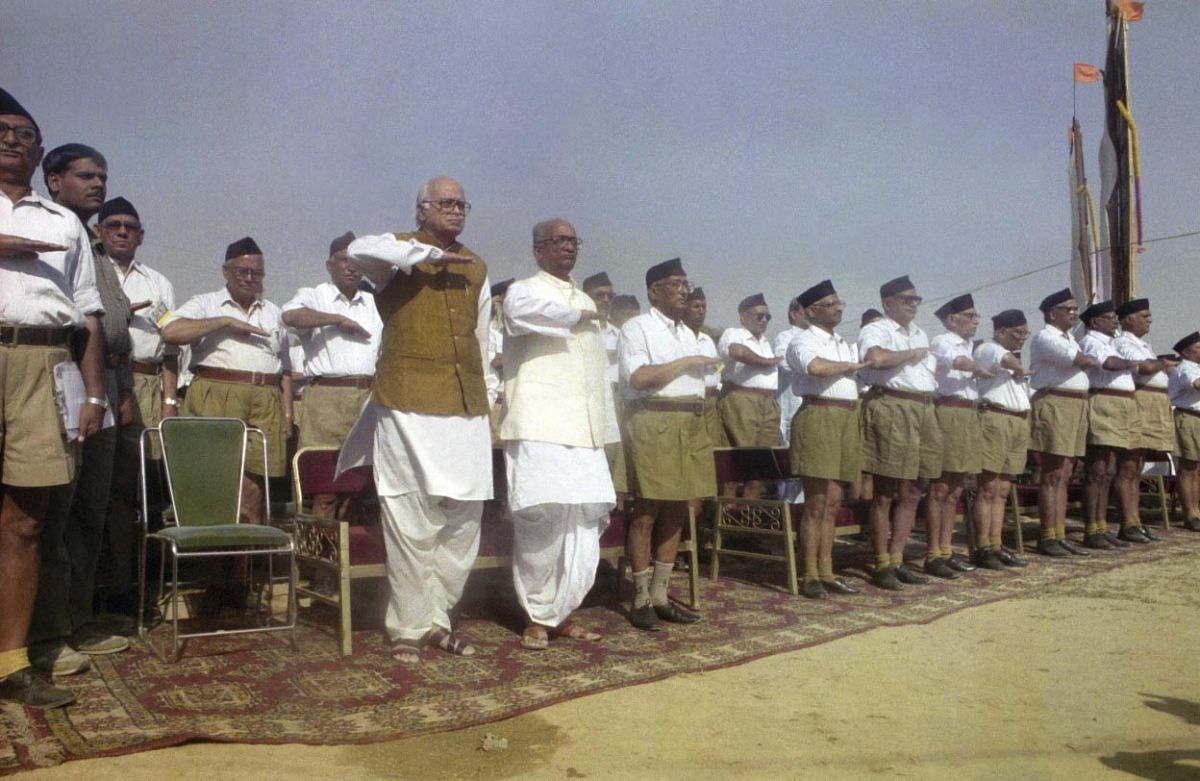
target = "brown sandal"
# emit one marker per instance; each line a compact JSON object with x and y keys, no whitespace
{"x":574,"y":631}
{"x":535,"y":638}
{"x":449,"y":642}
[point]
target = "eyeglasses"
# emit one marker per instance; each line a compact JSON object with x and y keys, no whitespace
{"x":676,"y":284}
{"x":969,"y":315}
{"x":762,"y":317}
{"x":450,"y":205}
{"x":245,"y":273}
{"x":909,"y":299}
{"x":563,"y":241}
{"x":828,"y":304}
{"x":1069,"y":309}
{"x":115,"y":225}
{"x":25,"y":134}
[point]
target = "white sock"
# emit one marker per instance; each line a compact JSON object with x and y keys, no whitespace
{"x":641,"y":588}
{"x":660,"y":582}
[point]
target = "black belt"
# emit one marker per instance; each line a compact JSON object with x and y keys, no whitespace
{"x":986,"y":407}
{"x":820,"y":401}
{"x":35,"y":335}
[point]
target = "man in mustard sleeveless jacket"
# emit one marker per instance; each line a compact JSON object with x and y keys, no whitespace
{"x":425,"y":428}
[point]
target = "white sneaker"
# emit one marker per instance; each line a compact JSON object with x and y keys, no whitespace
{"x":58,"y":658}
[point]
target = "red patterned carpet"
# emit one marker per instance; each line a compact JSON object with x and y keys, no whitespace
{"x":257,"y":690}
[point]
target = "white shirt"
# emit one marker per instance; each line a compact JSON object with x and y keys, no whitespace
{"x":1051,"y":358}
{"x":437,"y":455}
{"x":708,"y":348}
{"x":328,"y":350}
{"x":890,"y":335}
{"x":58,"y":288}
{"x":1096,"y":345}
{"x":493,"y":377}
{"x":612,"y":335}
{"x":225,"y":350}
{"x":1002,"y":389}
{"x":653,"y":339}
{"x":789,"y":402}
{"x":1134,"y":348}
{"x":815,"y":342}
{"x":945,"y":348}
{"x":1182,"y":386}
{"x":142,"y":283}
{"x":743,"y":374}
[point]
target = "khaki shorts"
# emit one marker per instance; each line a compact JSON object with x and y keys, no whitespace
{"x":1059,"y":425}
{"x":671,"y":454}
{"x":259,"y":406}
{"x":615,"y":453}
{"x":1005,"y":443}
{"x":827,"y":442}
{"x":901,"y":439}
{"x":750,"y":419}
{"x":329,"y":414}
{"x":962,"y":439}
{"x":1155,"y":429}
{"x":712,"y":421}
{"x":1112,"y":421}
{"x":33,"y":442}
{"x":1187,"y":435}
{"x":147,"y":413}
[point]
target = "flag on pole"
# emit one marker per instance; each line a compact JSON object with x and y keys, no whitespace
{"x":1130,"y":10}
{"x":1084,"y":270}
{"x":1119,"y":210}
{"x":1085,"y":73}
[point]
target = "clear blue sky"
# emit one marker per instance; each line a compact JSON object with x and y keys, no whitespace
{"x":770,"y":145}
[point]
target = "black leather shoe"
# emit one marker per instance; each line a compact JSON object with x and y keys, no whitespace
{"x":885,"y":578}
{"x":813,"y":589}
{"x":1073,"y":548}
{"x":645,"y":617}
{"x":1010,"y":559}
{"x":987,"y":559}
{"x":1149,"y":535}
{"x":1052,"y":548}
{"x":1096,"y":541}
{"x":940,"y":568}
{"x":1131,"y":535}
{"x":1114,"y":540}
{"x":838,"y":586}
{"x":25,"y":687}
{"x":960,"y":564}
{"x":906,"y":575}
{"x":676,"y":614}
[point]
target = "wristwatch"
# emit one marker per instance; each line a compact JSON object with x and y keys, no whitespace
{"x":96,"y":400}
{"x":171,"y":402}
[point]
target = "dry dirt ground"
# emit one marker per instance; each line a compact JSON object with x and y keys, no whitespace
{"x":1092,"y":679}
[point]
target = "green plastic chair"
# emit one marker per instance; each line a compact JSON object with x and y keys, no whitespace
{"x":204,"y":460}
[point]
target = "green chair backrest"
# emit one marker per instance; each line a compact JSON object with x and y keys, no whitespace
{"x":204,"y":458}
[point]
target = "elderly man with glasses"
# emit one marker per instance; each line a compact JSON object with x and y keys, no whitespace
{"x":560,"y":492}
{"x":749,"y":411}
{"x":662,"y":379}
{"x":425,"y":429}
{"x":1059,"y":416}
{"x":240,"y":361}
{"x":901,"y":442}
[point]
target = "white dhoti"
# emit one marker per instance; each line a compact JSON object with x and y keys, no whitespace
{"x":432,"y":474}
{"x":560,"y":498}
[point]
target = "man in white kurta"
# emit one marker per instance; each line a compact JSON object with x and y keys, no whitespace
{"x":559,"y":488}
{"x":789,"y":402}
{"x":425,"y":432}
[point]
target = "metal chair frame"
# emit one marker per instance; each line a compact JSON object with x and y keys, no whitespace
{"x":178,"y":639}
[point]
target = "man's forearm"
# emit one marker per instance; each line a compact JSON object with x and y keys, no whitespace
{"x":186,"y":331}
{"x":652,"y":376}
{"x":309,"y":318}
{"x":170,"y":376}
{"x":743,"y":354}
{"x":882,"y":358}
{"x":91,"y":365}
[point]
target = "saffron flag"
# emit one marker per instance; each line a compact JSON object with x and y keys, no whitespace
{"x":1085,"y":73}
{"x":1130,"y":10}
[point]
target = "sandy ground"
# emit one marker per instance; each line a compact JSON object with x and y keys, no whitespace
{"x":1091,"y":679}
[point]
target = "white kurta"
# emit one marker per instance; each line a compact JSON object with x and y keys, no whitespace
{"x":432,"y":474}
{"x":560,"y":496}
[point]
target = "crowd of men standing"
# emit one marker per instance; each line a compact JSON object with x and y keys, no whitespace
{"x":412,"y":362}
